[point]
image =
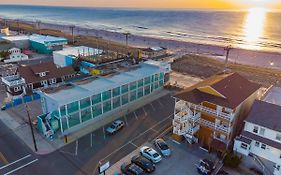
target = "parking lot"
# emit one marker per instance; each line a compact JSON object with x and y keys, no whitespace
{"x":141,"y":125}
{"x":181,"y":162}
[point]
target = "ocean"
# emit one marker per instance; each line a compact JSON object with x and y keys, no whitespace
{"x":256,"y":29}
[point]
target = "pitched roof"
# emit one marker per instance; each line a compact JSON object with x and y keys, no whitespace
{"x":263,"y":140}
{"x":233,"y":87}
{"x":28,"y":72}
{"x":265,"y":114}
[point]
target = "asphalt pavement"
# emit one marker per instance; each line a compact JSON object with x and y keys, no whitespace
{"x":82,"y":156}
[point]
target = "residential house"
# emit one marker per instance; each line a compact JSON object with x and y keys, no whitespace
{"x":31,"y":77}
{"x":212,"y":111}
{"x":15,"y":55}
{"x":262,"y":134}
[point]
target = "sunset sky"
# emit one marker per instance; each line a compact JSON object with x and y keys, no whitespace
{"x":217,"y":4}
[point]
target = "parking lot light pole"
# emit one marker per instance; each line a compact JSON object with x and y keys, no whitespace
{"x":31,"y":128}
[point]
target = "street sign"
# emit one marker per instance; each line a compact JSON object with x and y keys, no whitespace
{"x":104,"y":167}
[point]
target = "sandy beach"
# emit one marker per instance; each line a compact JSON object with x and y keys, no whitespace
{"x":241,"y":56}
{"x":237,"y":55}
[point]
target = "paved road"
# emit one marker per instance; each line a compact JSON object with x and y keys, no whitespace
{"x":82,"y":157}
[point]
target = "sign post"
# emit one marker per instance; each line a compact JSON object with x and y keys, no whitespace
{"x":103,"y":167}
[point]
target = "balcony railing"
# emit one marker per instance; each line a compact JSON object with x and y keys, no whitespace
{"x":13,"y":80}
{"x":211,"y":111}
{"x":215,"y":126}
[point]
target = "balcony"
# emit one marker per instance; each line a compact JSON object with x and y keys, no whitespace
{"x":215,"y":126}
{"x":212,"y":112}
{"x":13,"y":80}
{"x":193,"y":130}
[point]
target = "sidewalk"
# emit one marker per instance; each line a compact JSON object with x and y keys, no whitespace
{"x":45,"y":146}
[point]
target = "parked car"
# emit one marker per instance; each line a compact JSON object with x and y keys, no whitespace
{"x":162,"y":146}
{"x":144,"y":163}
{"x":131,"y":169}
{"x":115,"y":126}
{"x":150,"y":154}
{"x":205,"y":167}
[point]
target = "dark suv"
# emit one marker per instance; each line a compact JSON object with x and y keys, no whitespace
{"x":132,"y":169}
{"x":144,"y":163}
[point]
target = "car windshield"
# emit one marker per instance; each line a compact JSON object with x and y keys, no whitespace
{"x":163,"y":146}
{"x":155,"y":155}
{"x":135,"y":169}
{"x":113,"y":126}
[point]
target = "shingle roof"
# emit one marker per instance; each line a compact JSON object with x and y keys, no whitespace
{"x":266,"y":141}
{"x":28,"y":71}
{"x":265,"y":114}
{"x":233,"y":86}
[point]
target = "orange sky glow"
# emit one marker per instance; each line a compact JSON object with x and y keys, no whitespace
{"x":200,"y":4}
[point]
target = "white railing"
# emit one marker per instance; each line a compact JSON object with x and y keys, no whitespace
{"x":12,"y":82}
{"x":215,"y":126}
{"x":193,"y":130}
{"x":195,"y":118}
{"x":211,"y":111}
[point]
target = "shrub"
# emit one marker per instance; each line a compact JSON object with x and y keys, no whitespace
{"x":232,"y":160}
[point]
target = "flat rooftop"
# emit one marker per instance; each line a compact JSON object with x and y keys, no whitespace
{"x":84,"y":88}
{"x":80,"y":50}
{"x":36,"y":38}
{"x":274,"y":96}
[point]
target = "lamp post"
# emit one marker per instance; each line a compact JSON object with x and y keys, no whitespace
{"x":227,"y":48}
{"x":31,"y":128}
{"x":72,"y":32}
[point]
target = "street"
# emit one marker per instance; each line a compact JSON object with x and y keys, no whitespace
{"x":82,"y":156}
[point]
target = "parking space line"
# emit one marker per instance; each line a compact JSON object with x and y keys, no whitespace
{"x":126,"y":120}
{"x":76,"y":147}
{"x":3,"y":158}
{"x":18,"y":168}
{"x":136,"y":115}
{"x":133,"y":144}
{"x":145,"y":113}
{"x":154,"y":130}
{"x":15,"y":161}
{"x":159,"y":102}
{"x":152,"y":107}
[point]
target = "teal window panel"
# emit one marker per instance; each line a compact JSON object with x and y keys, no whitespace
{"x":107,"y":106}
{"x":72,"y":107}
{"x":84,"y":103}
{"x":125,"y":88}
{"x":55,"y":114}
{"x":97,"y":110}
{"x":116,"y":91}
{"x":106,"y":95}
{"x":96,"y":98}
{"x":116,"y":102}
{"x":161,"y":75}
{"x":152,"y":87}
{"x":140,"y":92}
{"x":140,"y":83}
{"x":156,"y":77}
{"x":62,"y":110}
{"x":147,"y":80}
{"x":152,"y":78}
{"x":161,"y":83}
{"x":146,"y":90}
{"x":73,"y":119}
{"x":133,"y":95}
{"x":64,"y":123}
{"x":86,"y":114}
{"x":156,"y":85}
{"x":133,"y":86}
{"x":125,"y":99}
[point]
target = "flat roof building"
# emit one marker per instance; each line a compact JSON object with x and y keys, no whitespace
{"x":66,"y":56}
{"x":40,"y":43}
{"x":81,"y":103}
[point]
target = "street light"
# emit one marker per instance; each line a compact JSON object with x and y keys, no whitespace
{"x":227,"y":48}
{"x":72,"y":32}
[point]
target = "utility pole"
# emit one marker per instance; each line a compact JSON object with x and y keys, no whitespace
{"x":72,"y":32}
{"x":18,"y":26}
{"x":38,"y":22}
{"x":227,"y":48}
{"x":127,"y":34}
{"x":31,"y":127}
